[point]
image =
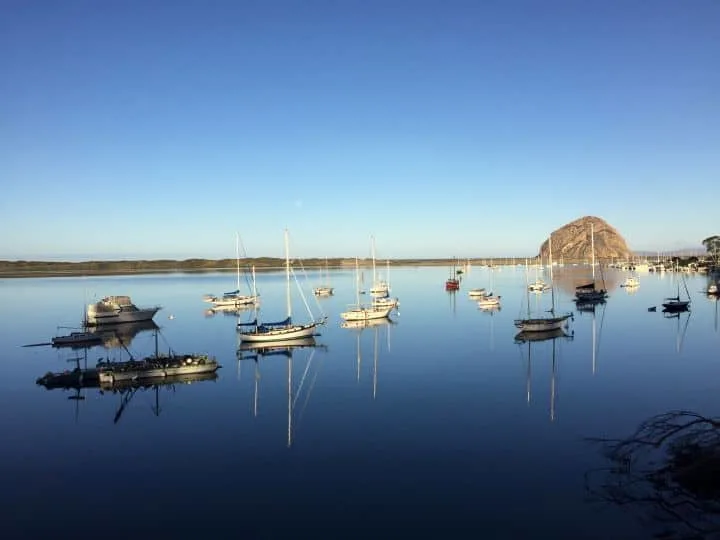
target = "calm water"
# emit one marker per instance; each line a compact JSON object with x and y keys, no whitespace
{"x":436,"y":422}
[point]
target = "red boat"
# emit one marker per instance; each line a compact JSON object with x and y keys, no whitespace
{"x":452,"y":284}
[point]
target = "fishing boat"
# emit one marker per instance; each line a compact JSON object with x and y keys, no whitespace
{"x":543,"y":323}
{"x":117,"y":309}
{"x":360,"y":312}
{"x":257,"y":331}
{"x":157,"y":365}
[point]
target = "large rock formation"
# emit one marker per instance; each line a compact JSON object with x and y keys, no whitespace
{"x":572,"y":242}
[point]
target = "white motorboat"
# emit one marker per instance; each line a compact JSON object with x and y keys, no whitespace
{"x":117,"y":309}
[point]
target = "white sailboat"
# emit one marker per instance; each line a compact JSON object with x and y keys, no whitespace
{"x":359,"y":312}
{"x":543,"y":323}
{"x":324,"y":289}
{"x":233,"y":299}
{"x":386,"y":301}
{"x":489,"y":300}
{"x":379,"y":287}
{"x":281,"y":330}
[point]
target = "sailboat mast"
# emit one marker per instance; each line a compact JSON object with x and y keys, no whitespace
{"x":372,"y":243}
{"x":254,"y":284}
{"x":287,"y":275}
{"x":237,"y":259}
{"x":592,"y":248}
{"x":527,"y":288}
{"x":552,"y":284}
{"x":357,"y":282}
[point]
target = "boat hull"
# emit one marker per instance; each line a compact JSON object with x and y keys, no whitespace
{"x":111,"y":376}
{"x":541,"y":325}
{"x":98,"y":318}
{"x":676,"y":306}
{"x":366,"y":314}
{"x":295,"y":331}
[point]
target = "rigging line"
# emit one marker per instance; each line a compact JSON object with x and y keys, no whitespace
{"x":309,"y":392}
{"x":302,"y":379}
{"x":602,"y":321}
{"x":302,"y":294}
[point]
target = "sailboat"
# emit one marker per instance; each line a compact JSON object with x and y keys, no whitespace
{"x":324,"y":289}
{"x":233,"y":299}
{"x":360,"y":312}
{"x":452,"y":283}
{"x":543,"y":323}
{"x":673,"y":304}
{"x":281,"y":330}
{"x":386,"y":301}
{"x":588,"y":292}
{"x":539,"y":285}
{"x":379,"y":288}
{"x":489,"y":300}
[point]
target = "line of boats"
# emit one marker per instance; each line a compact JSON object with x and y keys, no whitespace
{"x":114,"y":310}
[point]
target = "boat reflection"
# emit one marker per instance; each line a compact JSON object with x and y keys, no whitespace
{"x":257,"y":351}
{"x":228,"y":311}
{"x":679,"y":334}
{"x":109,"y":336}
{"x":538,"y":337}
{"x":127,"y":389}
{"x":116,"y":336}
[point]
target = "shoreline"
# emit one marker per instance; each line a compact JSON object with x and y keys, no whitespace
{"x":44,"y":269}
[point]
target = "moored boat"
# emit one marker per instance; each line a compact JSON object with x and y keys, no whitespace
{"x":117,"y":309}
{"x":77,"y":338}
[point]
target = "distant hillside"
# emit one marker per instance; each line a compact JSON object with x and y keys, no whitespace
{"x":574,"y":241}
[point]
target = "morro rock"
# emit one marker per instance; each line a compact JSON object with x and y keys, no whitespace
{"x":572,"y":242}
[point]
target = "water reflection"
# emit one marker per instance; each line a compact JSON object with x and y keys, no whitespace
{"x":126,"y":390}
{"x":567,"y":278}
{"x":109,"y":336}
{"x":229,"y":311}
{"x":360,"y":326}
{"x":668,"y":471}
{"x":535,"y":337}
{"x":683,"y":319}
{"x":258,"y":351}
{"x":116,"y":336}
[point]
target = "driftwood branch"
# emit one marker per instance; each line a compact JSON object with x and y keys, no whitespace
{"x":670,"y":467}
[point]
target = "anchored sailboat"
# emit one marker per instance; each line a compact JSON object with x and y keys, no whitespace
{"x":543,"y":323}
{"x":360,"y":312}
{"x":588,"y":292}
{"x":233,"y":299}
{"x":282,"y":330}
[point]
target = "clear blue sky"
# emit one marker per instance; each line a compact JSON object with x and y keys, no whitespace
{"x":150,"y":128}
